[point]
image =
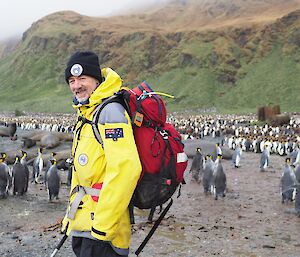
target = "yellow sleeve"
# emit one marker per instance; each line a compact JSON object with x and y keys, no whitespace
{"x":123,"y":170}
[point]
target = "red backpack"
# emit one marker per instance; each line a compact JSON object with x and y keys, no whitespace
{"x":159,"y":146}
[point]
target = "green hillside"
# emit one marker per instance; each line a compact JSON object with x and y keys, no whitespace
{"x":232,"y":70}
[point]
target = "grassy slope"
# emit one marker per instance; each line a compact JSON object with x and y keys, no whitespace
{"x":34,"y":88}
{"x":271,"y":80}
{"x":193,"y":89}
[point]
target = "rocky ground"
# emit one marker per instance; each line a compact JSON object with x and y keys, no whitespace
{"x":249,"y":221}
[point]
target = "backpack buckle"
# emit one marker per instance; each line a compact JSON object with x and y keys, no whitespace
{"x":164,"y":134}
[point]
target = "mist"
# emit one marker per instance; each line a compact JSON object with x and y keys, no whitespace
{"x":18,"y":15}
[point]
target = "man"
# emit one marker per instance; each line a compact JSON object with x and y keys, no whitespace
{"x":105,"y":173}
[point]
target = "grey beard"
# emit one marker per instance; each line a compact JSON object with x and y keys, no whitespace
{"x":82,"y":100}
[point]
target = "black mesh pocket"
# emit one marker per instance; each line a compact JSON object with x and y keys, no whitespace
{"x":152,"y":190}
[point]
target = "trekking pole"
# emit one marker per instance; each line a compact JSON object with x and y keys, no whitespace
{"x":59,"y":245}
{"x":61,"y":242}
{"x":156,"y":224}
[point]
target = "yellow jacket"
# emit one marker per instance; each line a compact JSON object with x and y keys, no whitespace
{"x":115,"y":167}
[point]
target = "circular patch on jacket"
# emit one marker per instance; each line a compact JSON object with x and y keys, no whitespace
{"x":82,"y":159}
{"x":76,"y":70}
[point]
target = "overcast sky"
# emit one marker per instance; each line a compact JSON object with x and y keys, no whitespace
{"x":18,"y":15}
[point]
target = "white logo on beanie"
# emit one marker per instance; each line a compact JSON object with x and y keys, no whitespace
{"x":76,"y":70}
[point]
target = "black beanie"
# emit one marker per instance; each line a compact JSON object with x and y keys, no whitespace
{"x":83,"y":63}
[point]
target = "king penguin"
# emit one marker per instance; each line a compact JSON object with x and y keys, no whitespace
{"x":197,"y":166}
{"x":52,"y":179}
{"x":207,"y":178}
{"x":219,"y":179}
{"x":236,"y":157}
{"x":19,"y":177}
{"x":37,"y":166}
{"x":4,"y":177}
{"x":287,"y":181}
{"x":264,"y":159}
{"x":297,"y":173}
{"x":23,"y":161}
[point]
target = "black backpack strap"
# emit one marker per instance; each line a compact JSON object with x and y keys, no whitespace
{"x":167,"y":174}
{"x":158,"y":189}
{"x":83,"y":121}
{"x":131,"y":212}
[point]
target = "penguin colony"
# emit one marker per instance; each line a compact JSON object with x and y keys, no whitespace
{"x":15,"y":179}
{"x":58,"y":122}
{"x":210,"y":172}
{"x":234,"y":130}
{"x":240,"y":136}
{"x":242,"y":131}
{"x":238,"y":133}
{"x":26,"y":167}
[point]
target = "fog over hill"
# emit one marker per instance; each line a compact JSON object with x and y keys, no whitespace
{"x":178,"y":15}
{"x":14,"y":20}
{"x":212,"y":14}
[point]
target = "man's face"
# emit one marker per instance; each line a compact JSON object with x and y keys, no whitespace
{"x":83,"y":86}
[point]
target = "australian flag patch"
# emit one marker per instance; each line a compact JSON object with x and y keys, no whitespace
{"x":114,"y":133}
